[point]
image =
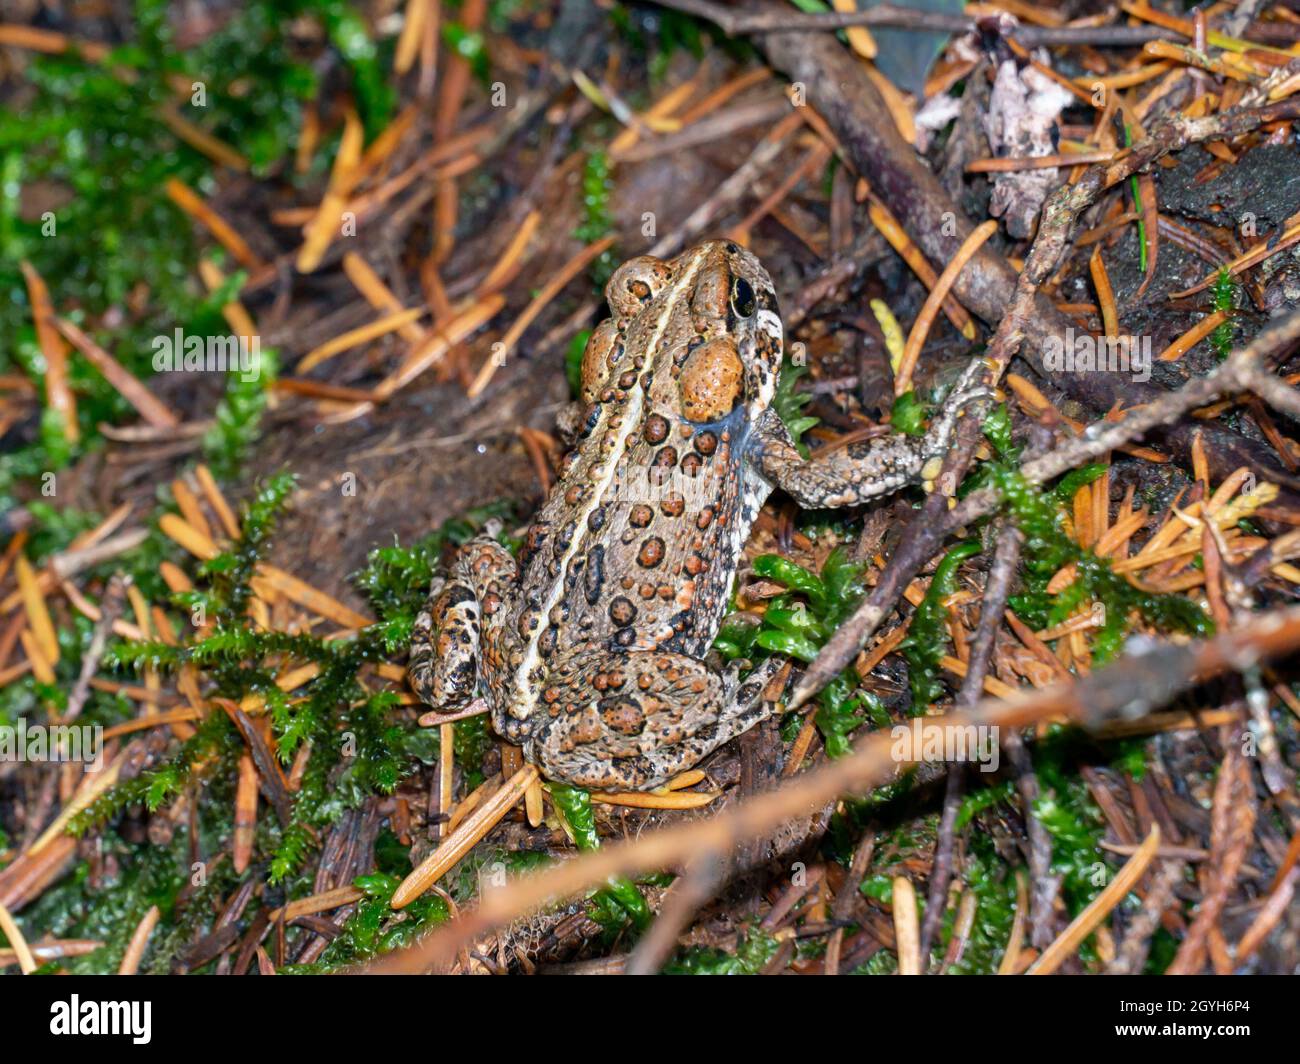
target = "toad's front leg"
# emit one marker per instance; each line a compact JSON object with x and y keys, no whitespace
{"x":633,"y":720}
{"x":847,"y":476}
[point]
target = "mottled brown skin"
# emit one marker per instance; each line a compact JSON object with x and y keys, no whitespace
{"x":589,"y":648}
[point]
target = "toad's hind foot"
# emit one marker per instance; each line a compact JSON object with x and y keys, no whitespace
{"x":443,"y":662}
{"x":633,"y":721}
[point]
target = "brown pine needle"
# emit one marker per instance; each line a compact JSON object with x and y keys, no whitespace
{"x":178,"y":530}
{"x":378,"y":294}
{"x":446,"y":771}
{"x":508,"y":265}
{"x":438,"y":343}
{"x":217,"y":501}
{"x":38,"y":614}
{"x":316,"y":903}
{"x":193,"y":204}
{"x":308,"y":138}
{"x":360,"y":335}
{"x":139,"y":942}
{"x":174,"y":577}
{"x":408,"y":44}
{"x":58,"y":393}
{"x":53,"y":950}
{"x":147,"y":405}
{"x":237,"y":317}
{"x":1121,"y":531}
{"x":454,"y":155}
{"x":812,"y":163}
{"x":15,"y":546}
{"x":14,"y":672}
{"x":19,"y":943}
{"x":327,"y":222}
{"x":1150,"y":227}
{"x":1022,"y":9}
{"x":654,"y":800}
{"x":1037,"y":162}
{"x":802,"y":744}
{"x":383,"y":146}
{"x":50,"y":42}
{"x":1273,"y":909}
{"x":141,"y":610}
{"x":1127,"y":79}
{"x":907,"y":936}
{"x":1099,"y":908}
{"x":566,"y":273}
{"x":310,"y":599}
{"x":1192,"y":336}
{"x":312,"y":389}
{"x":188,"y":504}
{"x":92,"y":785}
{"x":723,"y":93}
{"x":859,"y":37}
{"x":473,"y":829}
{"x":906,"y":247}
{"x":1010,"y":957}
{"x":992,"y":684}
{"x":245,"y":813}
{"x":1225,"y":65}
{"x":895,"y":102}
{"x":1105,"y":294}
{"x":201,"y":140}
{"x":1245,"y":261}
{"x":654,"y":116}
{"x":167,"y":717}
{"x":924,"y":320}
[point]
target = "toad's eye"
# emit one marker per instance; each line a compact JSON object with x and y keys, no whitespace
{"x":742,"y":298}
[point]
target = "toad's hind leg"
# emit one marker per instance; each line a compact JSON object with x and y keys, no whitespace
{"x":632,"y":721}
{"x":443,"y":663}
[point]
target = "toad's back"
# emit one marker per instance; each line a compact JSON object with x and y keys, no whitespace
{"x":637,"y":545}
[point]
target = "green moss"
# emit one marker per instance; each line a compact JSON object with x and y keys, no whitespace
{"x":927,"y":637}
{"x":573,"y":361}
{"x":799,"y":623}
{"x":361,"y":745}
{"x":989,"y":878}
{"x":907,"y":415}
{"x":1225,"y":300}
{"x":789,"y":403}
{"x":753,"y":952}
{"x":1048,"y":547}
{"x":619,"y":901}
{"x":597,"y":217}
{"x":470,"y":45}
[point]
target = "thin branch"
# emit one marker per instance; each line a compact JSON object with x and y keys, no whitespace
{"x":740,"y":23}
{"x":996,"y":590}
{"x":688,"y":894}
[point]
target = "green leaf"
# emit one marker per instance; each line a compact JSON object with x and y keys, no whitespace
{"x":908,"y":414}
